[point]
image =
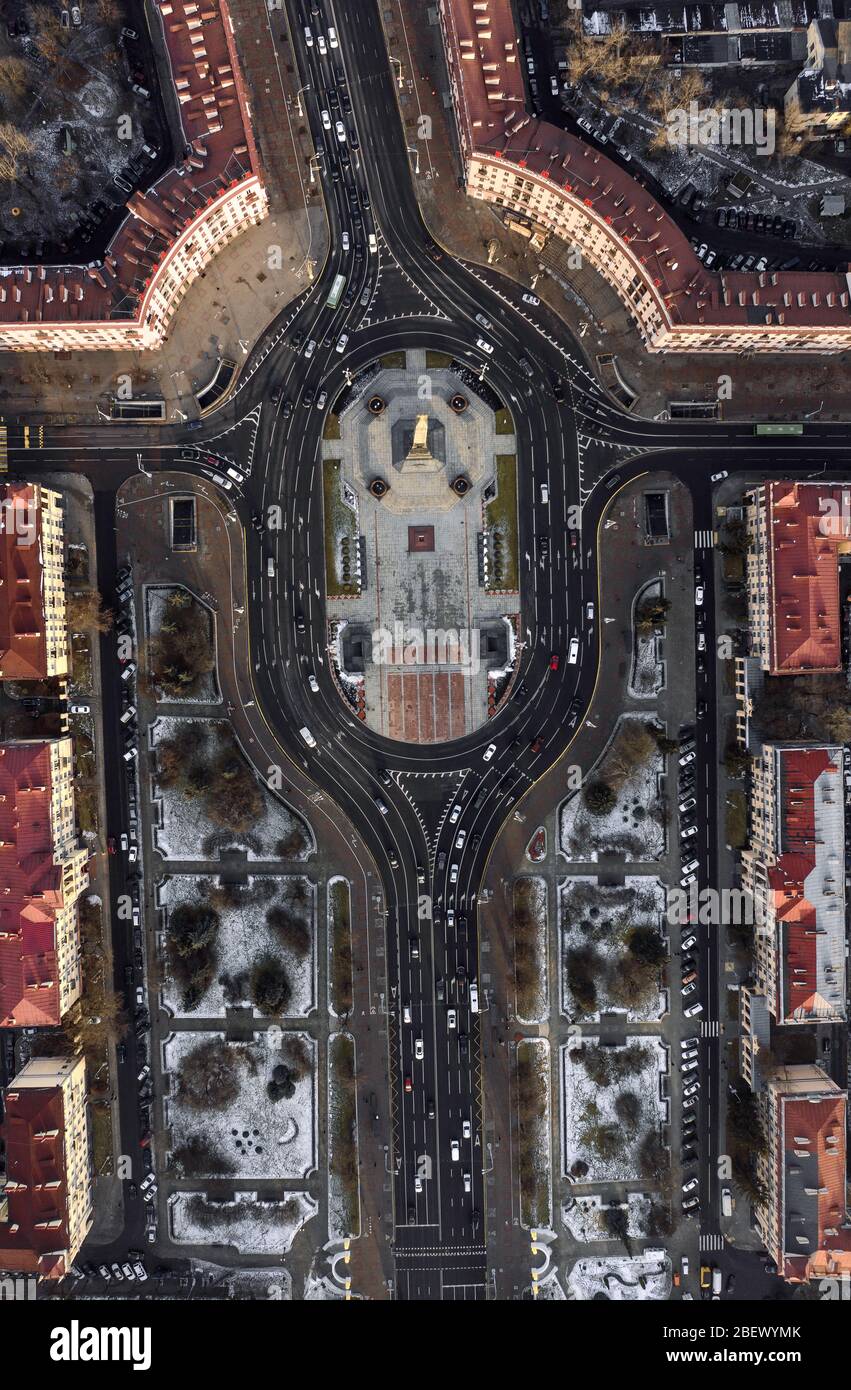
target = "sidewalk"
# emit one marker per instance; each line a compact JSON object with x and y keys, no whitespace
{"x":777,"y":387}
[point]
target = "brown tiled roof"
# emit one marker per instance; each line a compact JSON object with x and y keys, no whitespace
{"x":490,"y":109}
{"x":30,"y":889}
{"x":222,"y":153}
{"x":23,"y":645}
{"x":35,"y":1237}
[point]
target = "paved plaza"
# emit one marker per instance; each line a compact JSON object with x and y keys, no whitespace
{"x":424,"y":640}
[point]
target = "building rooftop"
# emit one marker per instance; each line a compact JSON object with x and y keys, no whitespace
{"x":807,"y":882}
{"x":32,"y":893}
{"x":219,"y":153}
{"x":807,"y":524}
{"x":23,"y":639}
{"x":810,"y":1176}
{"x":490,"y":105}
{"x":35,"y":1237}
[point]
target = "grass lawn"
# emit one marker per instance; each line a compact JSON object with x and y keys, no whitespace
{"x":737,"y":819}
{"x":101,"y":1122}
{"x":340,"y":521}
{"x":504,"y":423}
{"x":733,"y":568}
{"x":332,"y":427}
{"x":501,"y":519}
{"x":437,"y":359}
{"x":394,"y":359}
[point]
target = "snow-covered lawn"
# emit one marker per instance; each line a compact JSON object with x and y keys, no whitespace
{"x":254,"y":1135}
{"x":185,"y":832}
{"x":205,"y":689}
{"x":595,"y":922}
{"x":648,"y":670}
{"x":343,"y":1206}
{"x":605,"y":1125}
{"x":619,"y":1277}
{"x":634,"y":828}
{"x":531,"y":985}
{"x":584,"y":1216}
{"x":244,"y":936}
{"x":249,"y":1225}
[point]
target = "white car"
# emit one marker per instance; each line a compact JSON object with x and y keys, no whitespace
{"x":308,"y":36}
{"x":718,"y":477}
{"x":701,"y":641}
{"x":81,"y":709}
{"x":341,"y":342}
{"x":454,"y":814}
{"x":459,"y":842}
{"x":133,"y":854}
{"x":323,"y":47}
{"x":419,"y":1051}
{"x":698,"y":595}
{"x":690,"y":1102}
{"x":125,"y":843}
{"x":313,"y":683}
{"x":466,"y":1129}
{"x":453,"y":874}
{"x":693,"y":1010}
{"x":326,"y":119}
{"x":530,"y":299}
{"x":418,"y":1184}
{"x":451,"y":1018}
{"x":468,"y":1183}
{"x":345,"y":241}
{"x":690,"y":1186}
{"x":688,"y":805}
{"x":589,"y":612}
{"x":450,"y":917}
{"x":454,"y":1150}
{"x":686,"y":758}
{"x":485,"y":346}
{"x":341,"y":132}
{"x":689,"y":989}
{"x":687,"y":943}
{"x":489,"y":752}
{"x":332,"y":36}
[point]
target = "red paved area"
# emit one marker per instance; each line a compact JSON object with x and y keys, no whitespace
{"x":426,"y":706}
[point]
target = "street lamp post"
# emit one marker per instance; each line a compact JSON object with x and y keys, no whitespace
{"x":400,"y":80}
{"x":306,"y":88}
{"x":412,"y":149}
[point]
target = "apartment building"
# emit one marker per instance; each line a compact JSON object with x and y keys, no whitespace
{"x":172,"y":231}
{"x":33,"y":638}
{"x":819,"y":101}
{"x":798,"y":531}
{"x":46,"y":1189}
{"x":558,"y":186}
{"x":794,"y":869}
{"x":706,"y":35}
{"x":804,"y":1221}
{"x":42,"y":874}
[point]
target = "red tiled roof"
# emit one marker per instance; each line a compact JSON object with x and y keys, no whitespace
{"x":803,"y":952}
{"x":30,"y":889}
{"x":802,"y":539}
{"x":815,"y":1122}
{"x":221,"y":153}
{"x":23,"y":645}
{"x":35,"y":1237}
{"x":490,"y":109}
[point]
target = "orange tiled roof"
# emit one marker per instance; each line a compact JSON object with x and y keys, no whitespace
{"x":802,"y":541}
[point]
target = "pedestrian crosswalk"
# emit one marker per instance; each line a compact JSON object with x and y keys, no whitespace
{"x":711,"y":1240}
{"x":710,"y":1028}
{"x":704,"y":540}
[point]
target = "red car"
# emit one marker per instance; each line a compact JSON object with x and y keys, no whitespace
{"x":554,"y":661}
{"x":110,"y":845}
{"x":537,"y":744}
{"x":408,"y":1086}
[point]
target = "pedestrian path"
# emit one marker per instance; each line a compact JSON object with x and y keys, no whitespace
{"x":710,"y":1028}
{"x":704,"y":540}
{"x":711,"y":1240}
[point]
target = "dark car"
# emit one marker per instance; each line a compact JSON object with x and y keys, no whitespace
{"x":297,"y":339}
{"x":307,"y":398}
{"x":521,"y":692}
{"x":463,"y":1044}
{"x":257,"y":521}
{"x":299,"y":622}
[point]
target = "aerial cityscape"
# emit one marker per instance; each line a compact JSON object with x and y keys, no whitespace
{"x":425,"y":646}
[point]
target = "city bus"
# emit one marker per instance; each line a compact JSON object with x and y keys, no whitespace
{"x":778,"y":429}
{"x":336,"y":291}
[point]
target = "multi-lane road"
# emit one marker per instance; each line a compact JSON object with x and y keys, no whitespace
{"x":404,"y":293}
